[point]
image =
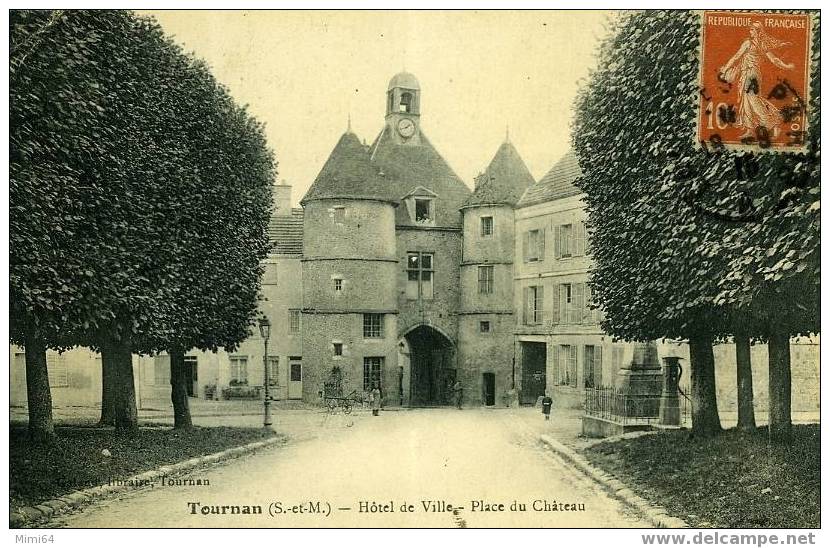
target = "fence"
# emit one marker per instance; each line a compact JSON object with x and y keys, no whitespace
{"x":614,"y":404}
{"x":608,"y":402}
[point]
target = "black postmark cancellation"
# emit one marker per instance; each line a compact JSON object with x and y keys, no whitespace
{"x":165,"y":482}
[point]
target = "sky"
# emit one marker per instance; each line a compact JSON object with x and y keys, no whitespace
{"x":306,"y":73}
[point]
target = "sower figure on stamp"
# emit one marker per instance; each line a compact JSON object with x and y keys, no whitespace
{"x":374,"y":399}
{"x":547,"y":403}
{"x":754,"y":110}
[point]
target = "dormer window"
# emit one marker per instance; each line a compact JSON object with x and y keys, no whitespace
{"x":406,"y":102}
{"x":423,"y":210}
{"x":420,"y":204}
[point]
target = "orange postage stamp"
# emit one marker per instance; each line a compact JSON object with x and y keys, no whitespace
{"x":754,"y":80}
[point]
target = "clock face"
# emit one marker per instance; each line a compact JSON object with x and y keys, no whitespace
{"x":406,"y":127}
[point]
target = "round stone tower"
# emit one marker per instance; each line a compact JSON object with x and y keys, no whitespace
{"x":486,"y":318}
{"x":349,"y":275}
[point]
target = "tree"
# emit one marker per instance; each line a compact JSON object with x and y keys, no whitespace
{"x":103,"y":172}
{"x":54,"y":112}
{"x":677,"y":230}
{"x":226,"y":225}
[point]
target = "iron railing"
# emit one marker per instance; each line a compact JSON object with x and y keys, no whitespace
{"x":615,"y":404}
{"x":608,"y":402}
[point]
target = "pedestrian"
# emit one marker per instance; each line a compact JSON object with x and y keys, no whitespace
{"x":456,"y":388}
{"x":374,"y":398}
{"x":547,"y":402}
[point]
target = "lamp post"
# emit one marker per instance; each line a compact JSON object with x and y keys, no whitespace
{"x":265,"y":332}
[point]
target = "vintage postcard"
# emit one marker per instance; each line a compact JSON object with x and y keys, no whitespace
{"x":415,"y":269}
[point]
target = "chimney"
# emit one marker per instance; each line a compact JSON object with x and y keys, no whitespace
{"x":282,"y":199}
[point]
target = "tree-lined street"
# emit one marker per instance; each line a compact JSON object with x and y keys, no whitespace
{"x":406,"y":456}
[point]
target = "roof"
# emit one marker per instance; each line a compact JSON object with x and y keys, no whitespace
{"x":556,"y":184}
{"x":285,"y":232}
{"x":348,"y":173}
{"x":404,"y":80}
{"x":504,"y":180}
{"x":407,"y":167}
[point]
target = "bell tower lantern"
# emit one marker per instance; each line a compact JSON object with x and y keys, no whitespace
{"x":403,"y":108}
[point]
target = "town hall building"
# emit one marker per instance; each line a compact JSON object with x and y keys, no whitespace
{"x":394,"y":273}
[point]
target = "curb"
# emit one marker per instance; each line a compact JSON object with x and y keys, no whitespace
{"x":654,"y":514}
{"x":29,"y":515}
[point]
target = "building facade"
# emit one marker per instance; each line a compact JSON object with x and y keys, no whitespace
{"x":396,"y":274}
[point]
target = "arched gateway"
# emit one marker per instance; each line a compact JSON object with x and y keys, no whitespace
{"x":431,"y":367}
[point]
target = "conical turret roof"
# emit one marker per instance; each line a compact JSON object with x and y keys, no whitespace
{"x":504,"y":180}
{"x":349,"y":174}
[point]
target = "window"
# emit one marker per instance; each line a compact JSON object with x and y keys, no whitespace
{"x":565,"y":365}
{"x":161,"y":370}
{"x":484,"y":326}
{"x":533,"y":302}
{"x":239,"y":370}
{"x":617,"y":354}
{"x":423,"y":210}
{"x":569,"y":304}
{"x":294,"y":321}
{"x":57,"y":370}
{"x":419,"y":275}
{"x":406,"y":102}
{"x":273,"y":370}
{"x":296,"y":372}
{"x":269,"y":276}
{"x":372,"y":326}
{"x":592,"y":365}
{"x":486,"y":226}
{"x":371,"y":372}
{"x":339,"y":214}
{"x":338,"y":284}
{"x":485,"y":280}
{"x":569,"y":240}
{"x":338,"y":349}
{"x":534,"y":245}
{"x":565,"y":235}
{"x":191,"y":363}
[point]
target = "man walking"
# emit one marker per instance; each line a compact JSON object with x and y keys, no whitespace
{"x":374,"y":398}
{"x":456,"y":388}
{"x":547,"y":402}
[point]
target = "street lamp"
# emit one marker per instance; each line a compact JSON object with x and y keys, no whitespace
{"x":265,"y":332}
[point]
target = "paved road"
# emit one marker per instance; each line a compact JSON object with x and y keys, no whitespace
{"x":400,"y":458}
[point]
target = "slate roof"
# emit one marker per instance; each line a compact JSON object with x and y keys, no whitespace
{"x":504,"y":180}
{"x":285,"y":233}
{"x":348,"y":173}
{"x":406,"y":167}
{"x":556,"y":184}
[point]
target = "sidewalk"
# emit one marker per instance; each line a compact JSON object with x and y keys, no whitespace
{"x":159,"y":410}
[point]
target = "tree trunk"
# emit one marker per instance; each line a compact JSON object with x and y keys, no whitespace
{"x":705,"y":418}
{"x":41,"y":427}
{"x":126,"y":414}
{"x":746,"y":406}
{"x":108,"y":387}
{"x":178,"y":390}
{"x":780,"y":389}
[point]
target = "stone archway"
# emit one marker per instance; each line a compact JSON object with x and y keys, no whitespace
{"x":432,"y":366}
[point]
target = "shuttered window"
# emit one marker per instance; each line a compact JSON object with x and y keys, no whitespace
{"x":565,"y":365}
{"x":57,"y":370}
{"x":592,"y":363}
{"x":533,"y":245}
{"x":485,"y":280}
{"x":161,"y":370}
{"x":533,"y":298}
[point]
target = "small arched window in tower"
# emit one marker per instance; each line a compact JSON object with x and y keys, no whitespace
{"x":406,"y":102}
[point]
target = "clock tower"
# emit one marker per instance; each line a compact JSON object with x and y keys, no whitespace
{"x":403,"y":109}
